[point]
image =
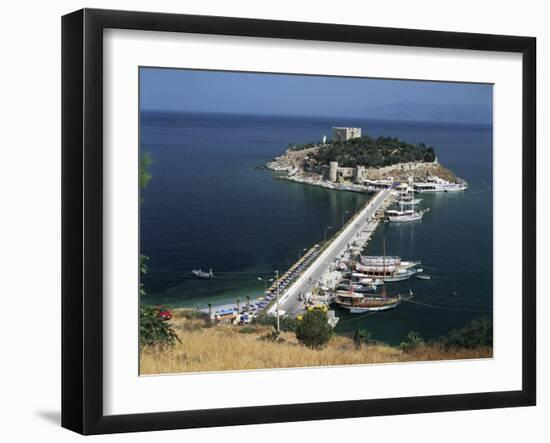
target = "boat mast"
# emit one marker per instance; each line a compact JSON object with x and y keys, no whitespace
{"x":384,"y":267}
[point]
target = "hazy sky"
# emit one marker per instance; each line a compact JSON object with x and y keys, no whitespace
{"x":233,"y":92}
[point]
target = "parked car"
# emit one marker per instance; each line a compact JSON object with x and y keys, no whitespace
{"x":163,"y":313}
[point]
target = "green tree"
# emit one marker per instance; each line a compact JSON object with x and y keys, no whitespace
{"x":429,"y":155}
{"x":314,"y":330}
{"x":142,"y":270}
{"x":477,"y":333}
{"x":371,"y":152}
{"x":143,"y":170}
{"x":153,"y":329}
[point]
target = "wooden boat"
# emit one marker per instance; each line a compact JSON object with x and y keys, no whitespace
{"x":358,"y":303}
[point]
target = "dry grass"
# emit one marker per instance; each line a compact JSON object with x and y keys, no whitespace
{"x":223,"y":348}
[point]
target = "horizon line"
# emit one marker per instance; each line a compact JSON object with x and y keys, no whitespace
{"x":327,"y":116}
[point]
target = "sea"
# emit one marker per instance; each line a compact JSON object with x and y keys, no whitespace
{"x":211,"y":204}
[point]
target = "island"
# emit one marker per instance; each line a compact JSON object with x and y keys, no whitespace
{"x":355,"y":162}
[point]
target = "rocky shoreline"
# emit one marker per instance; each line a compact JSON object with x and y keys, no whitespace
{"x":291,"y":166}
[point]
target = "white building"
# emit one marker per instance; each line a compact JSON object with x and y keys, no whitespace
{"x":343,"y":134}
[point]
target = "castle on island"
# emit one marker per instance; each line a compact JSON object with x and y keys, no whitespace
{"x":301,"y":165}
{"x":343,"y":134}
{"x":359,"y":174}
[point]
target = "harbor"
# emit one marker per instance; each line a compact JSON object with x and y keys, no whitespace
{"x":338,"y":271}
{"x":315,"y":285}
{"x":283,"y":238}
{"x":311,"y":277}
{"x":296,"y":218}
{"x":315,"y":280}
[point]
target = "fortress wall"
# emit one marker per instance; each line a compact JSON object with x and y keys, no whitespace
{"x":399,"y":168}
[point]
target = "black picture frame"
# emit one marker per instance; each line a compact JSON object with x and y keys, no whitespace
{"x":82,"y":218}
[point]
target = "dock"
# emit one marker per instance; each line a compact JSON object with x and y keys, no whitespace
{"x":322,"y":270}
{"x":317,"y":268}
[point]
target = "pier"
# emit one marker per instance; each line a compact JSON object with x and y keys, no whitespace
{"x":353,"y":237}
{"x":317,"y":267}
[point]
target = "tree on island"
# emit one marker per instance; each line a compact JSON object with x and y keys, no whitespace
{"x":370,"y":152}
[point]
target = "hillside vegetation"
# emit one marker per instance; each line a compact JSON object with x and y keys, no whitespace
{"x":219,"y":348}
{"x":371,"y":152}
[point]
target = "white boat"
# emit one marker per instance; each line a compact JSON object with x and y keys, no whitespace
{"x":389,"y":273}
{"x":359,"y":303}
{"x":377,"y":185}
{"x":436,"y":184}
{"x":377,"y":260}
{"x":410,"y":201}
{"x":405,"y":215}
{"x":199,"y":273}
{"x":401,"y":190}
{"x":371,"y":308}
{"x":411,"y":264}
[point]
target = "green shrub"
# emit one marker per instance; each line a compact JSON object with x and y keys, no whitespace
{"x":272,"y":336}
{"x":313,"y":330}
{"x":190,"y":314}
{"x":362,"y":336}
{"x":153,"y":330}
{"x":414,"y":340}
{"x":477,"y":333}
{"x":287,"y":324}
{"x":373,"y":152}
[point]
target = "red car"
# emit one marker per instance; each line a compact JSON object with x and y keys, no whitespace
{"x":164,"y":313}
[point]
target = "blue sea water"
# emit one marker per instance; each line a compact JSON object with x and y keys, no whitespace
{"x":210,"y":205}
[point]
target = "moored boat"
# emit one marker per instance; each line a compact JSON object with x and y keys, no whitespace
{"x":436,"y":184}
{"x":377,"y":260}
{"x":199,"y":273}
{"x":357,"y":303}
{"x":390,"y":273}
{"x":405,"y":215}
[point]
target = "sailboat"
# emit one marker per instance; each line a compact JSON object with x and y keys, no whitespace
{"x":359,"y":303}
{"x":405,"y":215}
{"x":409,"y":200}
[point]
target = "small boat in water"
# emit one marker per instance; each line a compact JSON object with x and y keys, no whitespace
{"x":199,"y":273}
{"x":423,"y":276}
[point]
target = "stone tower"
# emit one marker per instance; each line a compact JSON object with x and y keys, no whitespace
{"x":333,"y":172}
{"x":359,"y":174}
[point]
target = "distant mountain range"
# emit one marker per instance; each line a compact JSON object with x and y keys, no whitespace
{"x":435,"y":112}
